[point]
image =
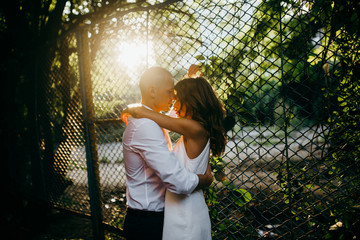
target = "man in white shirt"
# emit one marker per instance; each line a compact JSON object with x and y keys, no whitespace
{"x":151,"y":167}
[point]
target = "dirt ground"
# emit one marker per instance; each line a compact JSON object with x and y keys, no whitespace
{"x":50,"y":223}
{"x":44,"y":223}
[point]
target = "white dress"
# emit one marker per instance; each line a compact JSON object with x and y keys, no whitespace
{"x":187,"y":216}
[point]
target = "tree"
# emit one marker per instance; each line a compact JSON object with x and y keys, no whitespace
{"x":34,"y":47}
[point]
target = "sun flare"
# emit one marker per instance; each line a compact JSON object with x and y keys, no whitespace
{"x":132,"y":54}
{"x":134,"y":57}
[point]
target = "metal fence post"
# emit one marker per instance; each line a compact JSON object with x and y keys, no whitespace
{"x":92,"y":160}
{"x":286,"y":124}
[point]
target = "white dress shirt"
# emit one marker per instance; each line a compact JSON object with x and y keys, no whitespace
{"x":151,"y":168}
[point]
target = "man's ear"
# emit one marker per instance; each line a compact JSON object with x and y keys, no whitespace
{"x":152,"y":91}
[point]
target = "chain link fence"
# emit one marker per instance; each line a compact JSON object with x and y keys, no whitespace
{"x":288,"y":171}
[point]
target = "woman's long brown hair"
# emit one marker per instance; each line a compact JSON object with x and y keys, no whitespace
{"x":202,"y":105}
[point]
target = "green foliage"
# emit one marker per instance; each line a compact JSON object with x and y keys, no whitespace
{"x":297,"y":185}
{"x":306,"y":72}
{"x":345,"y":150}
{"x":338,"y":171}
{"x":225,"y":189}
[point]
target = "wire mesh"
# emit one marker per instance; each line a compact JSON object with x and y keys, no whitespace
{"x":277,"y":76}
{"x":60,"y":127}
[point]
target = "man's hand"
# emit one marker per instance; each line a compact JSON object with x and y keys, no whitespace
{"x":206,"y":179}
{"x":208,"y":175}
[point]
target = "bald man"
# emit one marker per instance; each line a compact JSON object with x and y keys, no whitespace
{"x":150,"y":166}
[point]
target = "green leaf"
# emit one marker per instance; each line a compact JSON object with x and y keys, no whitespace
{"x":247,"y":196}
{"x":200,"y":57}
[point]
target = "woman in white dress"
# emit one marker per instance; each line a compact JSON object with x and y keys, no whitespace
{"x":200,"y":117}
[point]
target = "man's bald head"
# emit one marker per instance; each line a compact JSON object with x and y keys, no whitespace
{"x":157,"y":89}
{"x":155,"y":77}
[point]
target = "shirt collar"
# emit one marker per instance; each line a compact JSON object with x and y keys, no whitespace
{"x":146,"y":107}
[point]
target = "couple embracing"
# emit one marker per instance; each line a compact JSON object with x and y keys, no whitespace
{"x":164,"y":185}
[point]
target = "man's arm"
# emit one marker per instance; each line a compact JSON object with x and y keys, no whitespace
{"x":206,"y":179}
{"x":151,"y":145}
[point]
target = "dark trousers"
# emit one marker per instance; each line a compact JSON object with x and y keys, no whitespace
{"x":143,"y":225}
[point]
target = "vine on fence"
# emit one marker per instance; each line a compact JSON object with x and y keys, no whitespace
{"x":225,"y":189}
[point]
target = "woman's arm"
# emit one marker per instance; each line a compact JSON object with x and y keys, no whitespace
{"x":186,"y":127}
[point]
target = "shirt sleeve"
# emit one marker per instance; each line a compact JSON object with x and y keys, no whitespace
{"x":150,"y":143}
